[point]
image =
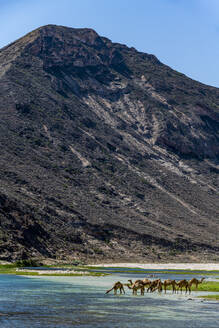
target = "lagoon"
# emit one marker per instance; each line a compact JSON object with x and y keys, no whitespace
{"x":63,"y":302}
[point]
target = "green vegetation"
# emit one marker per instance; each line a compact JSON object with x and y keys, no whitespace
{"x":28,"y":273}
{"x":137,"y":270}
{"x":209,"y":286}
{"x":12,"y":269}
{"x":211,"y":297}
{"x":79,"y":267}
{"x":27,"y":263}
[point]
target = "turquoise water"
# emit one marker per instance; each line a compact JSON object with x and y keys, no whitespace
{"x":61,"y":302}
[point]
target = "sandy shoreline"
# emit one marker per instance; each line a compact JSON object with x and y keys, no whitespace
{"x":165,"y":266}
{"x":53,"y":272}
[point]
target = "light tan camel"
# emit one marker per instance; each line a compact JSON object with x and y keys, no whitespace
{"x":169,"y":282}
{"x":116,"y":286}
{"x":183,"y":283}
{"x":196,"y":282}
{"x":153,"y":285}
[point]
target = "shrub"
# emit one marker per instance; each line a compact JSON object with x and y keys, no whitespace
{"x":27,"y":263}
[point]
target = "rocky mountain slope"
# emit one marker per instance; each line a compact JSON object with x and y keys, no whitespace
{"x":106,"y":153}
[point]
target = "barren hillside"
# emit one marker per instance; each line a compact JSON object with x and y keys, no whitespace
{"x":106,"y":153}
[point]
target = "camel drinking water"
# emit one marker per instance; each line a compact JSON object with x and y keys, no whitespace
{"x":116,"y":286}
{"x":137,"y":285}
{"x":153,"y":285}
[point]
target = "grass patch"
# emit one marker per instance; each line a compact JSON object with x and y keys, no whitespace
{"x":210,"y":297}
{"x":11,"y":269}
{"x":142,"y":271}
{"x":208,"y":286}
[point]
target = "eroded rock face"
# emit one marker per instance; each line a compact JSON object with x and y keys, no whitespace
{"x":106,"y":153}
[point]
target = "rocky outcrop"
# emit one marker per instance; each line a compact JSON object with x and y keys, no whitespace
{"x":106,"y":153}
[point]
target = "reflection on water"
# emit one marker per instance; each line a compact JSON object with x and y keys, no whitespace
{"x":64,"y":302}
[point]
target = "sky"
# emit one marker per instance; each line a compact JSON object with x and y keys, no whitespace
{"x":182,"y":34}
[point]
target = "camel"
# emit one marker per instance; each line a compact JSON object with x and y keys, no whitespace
{"x":183,"y":283}
{"x":146,"y":281}
{"x":159,"y":286}
{"x":153,"y":285}
{"x":169,"y":282}
{"x":136,"y":287}
{"x":116,"y":286}
{"x":136,"y":281}
{"x":132,"y":284}
{"x":196,"y":282}
{"x":138,"y":284}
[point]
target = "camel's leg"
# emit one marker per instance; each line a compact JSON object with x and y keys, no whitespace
{"x":149,"y":289}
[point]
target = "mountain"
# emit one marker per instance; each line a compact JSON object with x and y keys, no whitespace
{"x":106,"y":153}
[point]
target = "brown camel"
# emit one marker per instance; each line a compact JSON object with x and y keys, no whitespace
{"x":137,"y":285}
{"x":196,"y":282}
{"x":153,"y":285}
{"x":146,"y":281}
{"x":159,"y":287}
{"x":169,"y":282}
{"x":183,"y":283}
{"x":116,"y":286}
{"x":136,"y":281}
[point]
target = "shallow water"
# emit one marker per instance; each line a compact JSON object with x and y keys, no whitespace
{"x":62,"y":302}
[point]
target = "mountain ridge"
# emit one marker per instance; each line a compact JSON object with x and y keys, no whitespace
{"x":107,"y":149}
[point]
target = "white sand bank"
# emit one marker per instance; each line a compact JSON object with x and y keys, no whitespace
{"x":165,"y":266}
{"x":53,"y":272}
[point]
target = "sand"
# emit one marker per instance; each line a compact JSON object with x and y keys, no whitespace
{"x":53,"y":272}
{"x":165,"y":266}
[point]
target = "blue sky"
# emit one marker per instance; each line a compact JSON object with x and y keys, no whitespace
{"x":183,"y":34}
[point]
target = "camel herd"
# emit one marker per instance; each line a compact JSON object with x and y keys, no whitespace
{"x":153,"y":285}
